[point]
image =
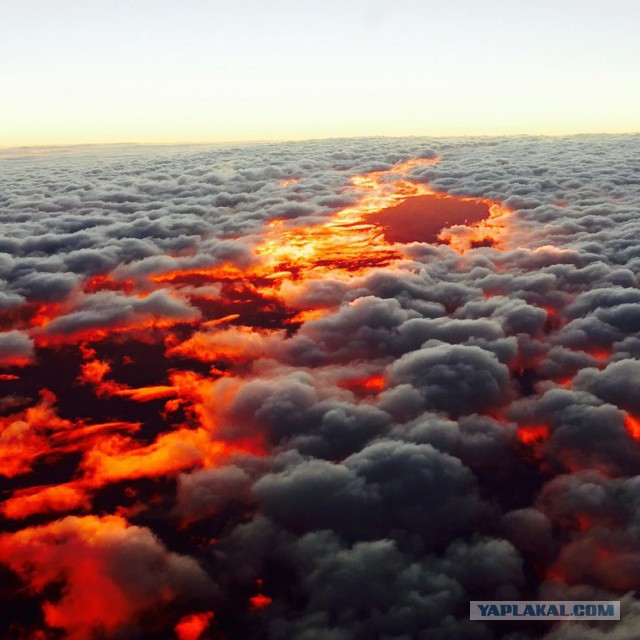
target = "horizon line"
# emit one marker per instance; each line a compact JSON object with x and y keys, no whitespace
{"x":178,"y":143}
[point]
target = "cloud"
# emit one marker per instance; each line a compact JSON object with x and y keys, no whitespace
{"x":112,"y":573}
{"x":615,"y":383}
{"x":456,"y":379}
{"x":16,"y":348}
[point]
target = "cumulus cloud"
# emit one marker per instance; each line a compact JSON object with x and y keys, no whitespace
{"x":456,"y":379}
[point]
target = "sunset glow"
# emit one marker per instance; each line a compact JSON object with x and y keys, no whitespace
{"x":208,"y":73}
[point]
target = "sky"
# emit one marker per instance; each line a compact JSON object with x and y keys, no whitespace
{"x":168,"y":71}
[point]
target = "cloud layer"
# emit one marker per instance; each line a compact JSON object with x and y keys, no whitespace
{"x":232,"y":407}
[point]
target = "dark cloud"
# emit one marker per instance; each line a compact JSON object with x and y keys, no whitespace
{"x":456,"y":379}
{"x":617,"y":383}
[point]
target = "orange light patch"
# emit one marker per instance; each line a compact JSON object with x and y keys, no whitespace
{"x":115,"y":458}
{"x":218,"y":321}
{"x":45,"y":313}
{"x":56,"y":498}
{"x":106,"y":282}
{"x":422,"y":218}
{"x":23,"y":436}
{"x":490,"y":232}
{"x":369,"y":385}
{"x":15,"y":361}
{"x":260,"y":601}
{"x":193,"y":626}
{"x":141,"y":328}
{"x":307,"y":316}
{"x":533,"y":433}
{"x":37,"y":432}
{"x":601,"y":354}
{"x":93,"y":373}
{"x":632,"y":424}
{"x":81,"y":436}
{"x":288,"y":182}
{"x":146,"y":394}
{"x":348,"y":242}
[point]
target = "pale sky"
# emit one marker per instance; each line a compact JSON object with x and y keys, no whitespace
{"x":109,"y":71}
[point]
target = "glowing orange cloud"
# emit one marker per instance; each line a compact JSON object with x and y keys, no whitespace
{"x":142,"y":327}
{"x":81,"y":436}
{"x":236,"y":344}
{"x":94,"y":372}
{"x":145,"y":394}
{"x":63,"y":497}
{"x":116,"y":458}
{"x":80,"y":553}
{"x":23,"y":436}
